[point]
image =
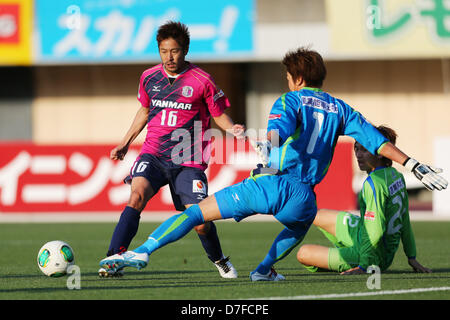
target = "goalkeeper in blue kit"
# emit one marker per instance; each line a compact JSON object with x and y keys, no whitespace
{"x":303,"y":129}
{"x":373,"y":237}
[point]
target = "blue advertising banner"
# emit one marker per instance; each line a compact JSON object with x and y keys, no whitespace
{"x":125,"y":30}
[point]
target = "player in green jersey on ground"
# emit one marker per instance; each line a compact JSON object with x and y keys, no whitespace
{"x":374,"y":237}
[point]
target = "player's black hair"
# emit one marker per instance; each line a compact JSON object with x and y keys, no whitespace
{"x":391,"y":135}
{"x":307,"y":64}
{"x":175,"y":30}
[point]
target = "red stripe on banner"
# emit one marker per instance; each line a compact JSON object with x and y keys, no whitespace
{"x":82,"y":178}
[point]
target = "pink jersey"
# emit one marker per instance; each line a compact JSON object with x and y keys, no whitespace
{"x":180,"y":114}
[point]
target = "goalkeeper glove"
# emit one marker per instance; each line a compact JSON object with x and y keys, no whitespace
{"x":262,"y":149}
{"x":427,"y":174}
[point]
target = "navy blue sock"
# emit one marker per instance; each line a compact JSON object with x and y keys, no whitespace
{"x":125,"y":230}
{"x":211,"y":243}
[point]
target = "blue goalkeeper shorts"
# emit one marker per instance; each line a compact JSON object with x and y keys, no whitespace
{"x":290,"y":201}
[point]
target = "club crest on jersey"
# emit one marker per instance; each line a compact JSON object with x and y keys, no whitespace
{"x":198,"y":186}
{"x":187,"y":91}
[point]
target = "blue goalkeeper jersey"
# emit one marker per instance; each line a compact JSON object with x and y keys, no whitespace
{"x":309,"y":122}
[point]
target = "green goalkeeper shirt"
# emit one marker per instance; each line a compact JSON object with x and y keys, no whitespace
{"x":384,"y":219}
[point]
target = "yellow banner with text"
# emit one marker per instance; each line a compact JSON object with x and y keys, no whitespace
{"x":389,"y":28}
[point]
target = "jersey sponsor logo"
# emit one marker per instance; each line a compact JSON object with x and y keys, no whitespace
{"x":274,"y":116}
{"x":171,"y":104}
{"x":218,"y":95}
{"x":187,"y":91}
{"x":156,"y":88}
{"x":198,"y":186}
{"x":369,"y":215}
{"x":396,"y":186}
{"x":316,"y":103}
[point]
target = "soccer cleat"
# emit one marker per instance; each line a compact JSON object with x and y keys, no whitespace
{"x":126,"y":259}
{"x":108,"y":273}
{"x":272,"y":275}
{"x":226,"y":269}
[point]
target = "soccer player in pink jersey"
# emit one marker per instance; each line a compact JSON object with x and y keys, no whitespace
{"x":177,"y":100}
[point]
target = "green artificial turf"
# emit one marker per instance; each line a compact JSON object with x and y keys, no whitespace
{"x":181,"y":270}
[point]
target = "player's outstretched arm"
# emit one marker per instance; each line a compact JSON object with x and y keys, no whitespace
{"x":139,"y":122}
{"x":428,"y":175}
{"x":417,"y":267}
{"x":226,"y":123}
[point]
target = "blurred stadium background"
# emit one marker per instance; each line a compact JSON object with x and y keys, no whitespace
{"x":70,"y":69}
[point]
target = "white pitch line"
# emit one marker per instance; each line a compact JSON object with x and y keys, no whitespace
{"x":356,"y":294}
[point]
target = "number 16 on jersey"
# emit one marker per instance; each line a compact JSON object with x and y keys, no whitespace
{"x":170,"y":117}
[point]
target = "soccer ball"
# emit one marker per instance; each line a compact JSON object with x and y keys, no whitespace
{"x":54,"y":258}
